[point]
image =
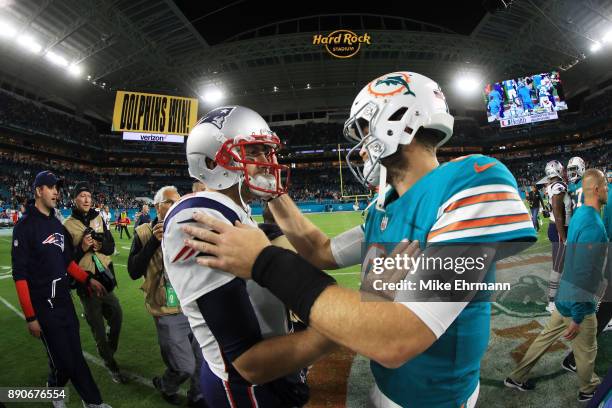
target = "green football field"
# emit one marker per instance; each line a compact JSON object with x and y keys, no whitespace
{"x":25,"y":363}
{"x":24,"y":359}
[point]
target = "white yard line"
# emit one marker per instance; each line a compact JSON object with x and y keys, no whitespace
{"x":344,"y":273}
{"x":95,"y":360}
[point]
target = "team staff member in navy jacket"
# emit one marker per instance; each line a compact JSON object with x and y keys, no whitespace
{"x":41,"y":261}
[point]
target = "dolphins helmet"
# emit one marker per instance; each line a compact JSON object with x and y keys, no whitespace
{"x":222,"y":137}
{"x":387,"y":113}
{"x":575,"y":169}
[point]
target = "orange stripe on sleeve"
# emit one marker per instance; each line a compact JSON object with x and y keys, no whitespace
{"x":481,"y":198}
{"x":23,"y":293}
{"x":480,"y":222}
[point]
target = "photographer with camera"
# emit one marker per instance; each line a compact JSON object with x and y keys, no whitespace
{"x":180,"y":350}
{"x":93,"y":247}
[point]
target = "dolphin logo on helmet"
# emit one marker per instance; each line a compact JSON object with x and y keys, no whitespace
{"x":397,"y":83}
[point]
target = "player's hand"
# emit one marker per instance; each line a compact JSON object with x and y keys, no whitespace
{"x":232,"y":249}
{"x":97,"y":288}
{"x":34,"y":328}
{"x":391,"y":275}
{"x":87,"y":243}
{"x":572,"y":331}
{"x":158,"y":231}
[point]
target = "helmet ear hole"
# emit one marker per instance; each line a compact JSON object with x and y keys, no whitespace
{"x":210,"y":164}
{"x":398,"y":114}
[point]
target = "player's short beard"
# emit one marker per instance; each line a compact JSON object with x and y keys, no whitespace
{"x":266,"y":181}
{"x":397,"y":165}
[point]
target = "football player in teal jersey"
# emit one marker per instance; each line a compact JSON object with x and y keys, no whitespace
{"x":424,"y":354}
{"x":575,"y":171}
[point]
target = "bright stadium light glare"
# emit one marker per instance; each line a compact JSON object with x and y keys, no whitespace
{"x":212,"y":96}
{"x":75,"y":70}
{"x":7,"y":30}
{"x":607,"y":38}
{"x":29,"y":43}
{"x":595,"y":47}
{"x":56,"y":59}
{"x":467,"y":84}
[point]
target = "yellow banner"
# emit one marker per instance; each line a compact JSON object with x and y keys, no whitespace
{"x":151,"y":113}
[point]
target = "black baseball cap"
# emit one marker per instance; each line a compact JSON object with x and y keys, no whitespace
{"x":47,"y":178}
{"x":80,"y":187}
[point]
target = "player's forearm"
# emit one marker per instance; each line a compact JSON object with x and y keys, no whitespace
{"x":279,"y":356}
{"x":309,"y":241}
{"x":386,"y":332}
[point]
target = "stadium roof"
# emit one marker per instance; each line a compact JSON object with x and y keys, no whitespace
{"x":263,"y":56}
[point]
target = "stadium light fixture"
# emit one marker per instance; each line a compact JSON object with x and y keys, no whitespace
{"x":467,"y":84}
{"x":56,"y":59}
{"x":7,"y":30}
{"x":595,"y":47}
{"x":29,"y":44}
{"x":76,"y":70}
{"x":212,"y":96}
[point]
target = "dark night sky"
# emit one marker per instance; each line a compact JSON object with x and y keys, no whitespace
{"x":224,"y":19}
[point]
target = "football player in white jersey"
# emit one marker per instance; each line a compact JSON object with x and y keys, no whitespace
{"x":251,"y":360}
{"x":561,"y":203}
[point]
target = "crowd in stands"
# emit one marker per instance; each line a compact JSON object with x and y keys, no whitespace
{"x":28,"y":115}
{"x":580,"y":133}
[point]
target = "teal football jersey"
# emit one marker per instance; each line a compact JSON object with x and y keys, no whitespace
{"x":473,"y":199}
{"x":575,"y":190}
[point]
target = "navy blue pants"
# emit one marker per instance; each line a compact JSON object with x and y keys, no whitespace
{"x":235,"y":394}
{"x":60,"y":328}
{"x":558,"y":250}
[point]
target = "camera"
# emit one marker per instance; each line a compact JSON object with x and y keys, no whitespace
{"x":98,"y":236}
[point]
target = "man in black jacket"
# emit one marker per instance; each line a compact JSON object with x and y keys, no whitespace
{"x":93,"y":247}
{"x":42,"y":259}
{"x":535,"y":199}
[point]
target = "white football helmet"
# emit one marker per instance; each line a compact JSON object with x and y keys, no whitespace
{"x":554,"y":169}
{"x":387,"y":113}
{"x":221,"y":136}
{"x":575,"y":169}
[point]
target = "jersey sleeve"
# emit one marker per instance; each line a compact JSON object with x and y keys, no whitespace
{"x":20,"y":253}
{"x":483,"y":205}
{"x":190,"y":280}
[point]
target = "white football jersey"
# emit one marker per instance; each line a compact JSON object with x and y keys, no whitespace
{"x":191,"y":281}
{"x":558,"y":187}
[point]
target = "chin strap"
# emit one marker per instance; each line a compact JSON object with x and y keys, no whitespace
{"x":245,"y":206}
{"x":382,"y":188}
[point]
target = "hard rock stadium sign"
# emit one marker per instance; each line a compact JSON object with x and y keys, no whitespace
{"x":342,"y":43}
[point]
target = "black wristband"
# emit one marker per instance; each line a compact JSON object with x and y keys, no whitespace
{"x":292,"y":279}
{"x":30,"y":319}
